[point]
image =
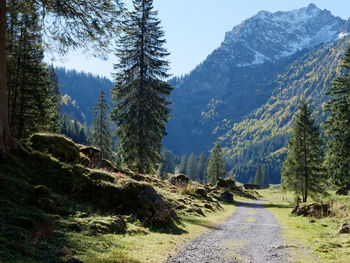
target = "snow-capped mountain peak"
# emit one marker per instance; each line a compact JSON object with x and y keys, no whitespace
{"x":269,"y":36}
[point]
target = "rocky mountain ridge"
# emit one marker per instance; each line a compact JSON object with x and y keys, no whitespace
{"x":270,"y":36}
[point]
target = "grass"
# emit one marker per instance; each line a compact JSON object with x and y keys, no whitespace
{"x":315,"y":239}
{"x":154,"y":246}
{"x":51,"y":211}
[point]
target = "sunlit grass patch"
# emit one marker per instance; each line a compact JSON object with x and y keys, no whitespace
{"x":154,"y":246}
{"x":315,"y":239}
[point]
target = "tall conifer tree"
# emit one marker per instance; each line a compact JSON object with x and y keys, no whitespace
{"x":338,"y":126}
{"x":100,"y":131}
{"x":32,"y":102}
{"x":55,"y":94}
{"x":141,"y":92}
{"x":183,"y":164}
{"x":217,"y":164}
{"x":167,"y":165}
{"x":192,"y":167}
{"x":302,"y":170}
{"x":202,"y":167}
{"x":265,"y":179}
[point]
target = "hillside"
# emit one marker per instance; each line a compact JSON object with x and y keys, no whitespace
{"x":265,"y":140}
{"x":60,"y":200}
{"x":82,"y":90}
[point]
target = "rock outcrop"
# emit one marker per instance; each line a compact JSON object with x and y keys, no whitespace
{"x":180,"y":180}
{"x":343,"y":191}
{"x":312,"y":210}
{"x":344,"y":229}
{"x":226,"y":196}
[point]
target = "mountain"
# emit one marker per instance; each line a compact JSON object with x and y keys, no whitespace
{"x":71,"y":108}
{"x":245,"y":93}
{"x":271,"y":36}
{"x":79,"y":92}
{"x":261,"y":137}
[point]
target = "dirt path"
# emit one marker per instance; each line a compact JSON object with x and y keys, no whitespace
{"x":250,"y":235}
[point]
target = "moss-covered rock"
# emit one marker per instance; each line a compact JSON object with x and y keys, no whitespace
{"x":58,"y":146}
{"x":226,"y":183}
{"x":94,"y":155}
{"x":107,"y":165}
{"x":316,"y":210}
{"x":101,"y":175}
{"x":196,"y":209}
{"x":179,"y":180}
{"x":132,"y":196}
{"x":108,"y":225}
{"x":156,"y":209}
{"x":83,"y":160}
{"x":200,"y":191}
{"x":226,"y":196}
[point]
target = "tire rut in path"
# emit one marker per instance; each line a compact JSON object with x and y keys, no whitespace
{"x":248,"y":236}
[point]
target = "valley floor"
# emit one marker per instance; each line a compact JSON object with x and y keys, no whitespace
{"x":251,"y":234}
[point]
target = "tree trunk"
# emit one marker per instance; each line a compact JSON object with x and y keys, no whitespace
{"x":4,"y":121}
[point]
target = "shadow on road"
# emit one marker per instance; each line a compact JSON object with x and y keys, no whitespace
{"x":259,"y":205}
{"x":278,"y":205}
{"x":200,"y":222}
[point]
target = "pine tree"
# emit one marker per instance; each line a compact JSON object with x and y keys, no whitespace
{"x":202,"y":167}
{"x":167,"y":165}
{"x":140,"y":92}
{"x":169,"y":162}
{"x":338,"y":126}
{"x":265,"y":179}
{"x":64,"y":123}
{"x":261,"y":178}
{"x":176,"y":159}
{"x":76,"y":24}
{"x":191,"y":169}
{"x":162,"y":171}
{"x":258,"y":178}
{"x":251,"y":181}
{"x":100,"y":130}
{"x":55,"y":95}
{"x":75,"y":129}
{"x":82,"y":138}
{"x":183,"y":165}
{"x":217,"y":164}
{"x":31,"y":97}
{"x":302,"y":170}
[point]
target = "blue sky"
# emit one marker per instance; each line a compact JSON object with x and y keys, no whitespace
{"x":194,"y":28}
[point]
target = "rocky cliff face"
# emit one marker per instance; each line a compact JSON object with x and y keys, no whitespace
{"x":270,"y":36}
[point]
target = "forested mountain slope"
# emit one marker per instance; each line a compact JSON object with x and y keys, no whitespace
{"x":82,"y":90}
{"x":261,"y":137}
{"x":238,"y":77}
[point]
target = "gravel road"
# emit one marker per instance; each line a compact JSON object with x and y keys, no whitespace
{"x":250,"y":235}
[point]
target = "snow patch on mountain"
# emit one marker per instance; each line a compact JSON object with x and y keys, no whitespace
{"x":271,"y":36}
{"x":343,"y":34}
